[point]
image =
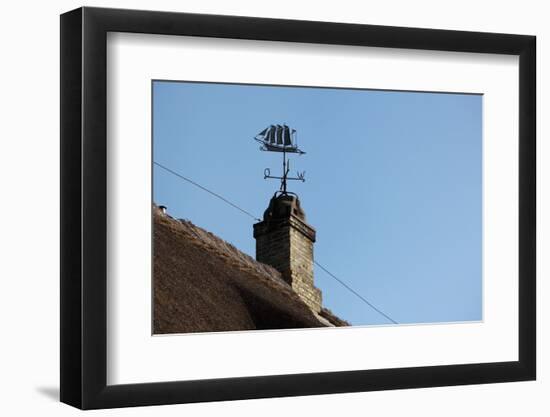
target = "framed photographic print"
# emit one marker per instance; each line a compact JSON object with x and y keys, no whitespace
{"x":258,"y":207}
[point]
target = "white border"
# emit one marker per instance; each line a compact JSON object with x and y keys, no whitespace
{"x":134,"y":356}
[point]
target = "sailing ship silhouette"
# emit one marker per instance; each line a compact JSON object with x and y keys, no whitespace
{"x":277,"y":138}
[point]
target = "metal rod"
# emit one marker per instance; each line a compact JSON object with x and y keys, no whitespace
{"x":283,"y":185}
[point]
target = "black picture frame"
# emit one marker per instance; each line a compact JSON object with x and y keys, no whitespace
{"x":84,"y":207}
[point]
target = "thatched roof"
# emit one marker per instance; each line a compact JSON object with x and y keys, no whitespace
{"x":203,"y":284}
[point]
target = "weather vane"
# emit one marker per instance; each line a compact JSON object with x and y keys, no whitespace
{"x":277,"y":138}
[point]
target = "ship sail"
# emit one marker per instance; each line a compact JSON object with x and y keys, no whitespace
{"x":271,"y":135}
{"x":287,"y":141}
{"x":279,"y":135}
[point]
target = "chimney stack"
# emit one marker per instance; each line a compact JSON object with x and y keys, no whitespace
{"x":285,"y":241}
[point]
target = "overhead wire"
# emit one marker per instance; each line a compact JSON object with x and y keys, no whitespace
{"x":355,"y":292}
{"x":225,"y":200}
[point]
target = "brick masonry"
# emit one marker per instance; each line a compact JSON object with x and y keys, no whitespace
{"x":285,"y":241}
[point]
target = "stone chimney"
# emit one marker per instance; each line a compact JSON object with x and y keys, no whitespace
{"x":285,"y":241}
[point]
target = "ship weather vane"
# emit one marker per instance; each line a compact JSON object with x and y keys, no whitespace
{"x":277,"y":138}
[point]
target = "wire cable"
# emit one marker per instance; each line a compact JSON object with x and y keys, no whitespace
{"x":207,"y":190}
{"x":355,"y":293}
{"x":225,"y":200}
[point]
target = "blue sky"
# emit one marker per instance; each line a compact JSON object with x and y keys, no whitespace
{"x":393,"y":186}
